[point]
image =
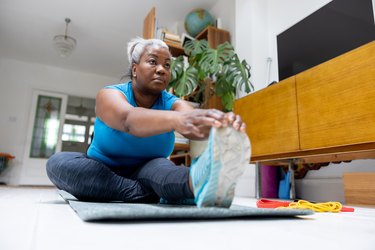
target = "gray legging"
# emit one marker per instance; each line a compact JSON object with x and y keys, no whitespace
{"x":88,"y":179}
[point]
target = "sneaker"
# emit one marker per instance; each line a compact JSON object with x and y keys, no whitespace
{"x":214,"y":174}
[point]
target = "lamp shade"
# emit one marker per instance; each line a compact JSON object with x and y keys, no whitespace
{"x":64,"y":44}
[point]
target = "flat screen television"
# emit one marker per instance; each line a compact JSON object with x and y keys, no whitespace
{"x":336,"y":28}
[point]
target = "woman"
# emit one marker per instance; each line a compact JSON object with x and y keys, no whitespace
{"x":134,"y":135}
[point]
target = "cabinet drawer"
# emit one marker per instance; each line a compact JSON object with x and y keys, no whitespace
{"x":336,"y":101}
{"x":271,"y":118}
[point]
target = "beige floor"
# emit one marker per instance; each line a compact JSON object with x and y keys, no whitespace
{"x":38,"y":219}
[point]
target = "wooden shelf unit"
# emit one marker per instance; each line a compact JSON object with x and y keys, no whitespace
{"x":175,"y":49}
{"x":180,"y":154}
{"x":149,"y":27}
{"x":149,"y":32}
{"x":214,"y":36}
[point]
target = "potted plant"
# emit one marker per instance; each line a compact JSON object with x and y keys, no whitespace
{"x":209,"y":72}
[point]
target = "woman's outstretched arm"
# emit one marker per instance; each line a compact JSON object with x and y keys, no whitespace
{"x":114,"y":110}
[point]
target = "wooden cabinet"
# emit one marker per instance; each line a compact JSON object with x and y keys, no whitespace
{"x":326,"y":113}
{"x":336,"y":101}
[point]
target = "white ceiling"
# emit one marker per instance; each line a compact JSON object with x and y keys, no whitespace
{"x":102,"y":29}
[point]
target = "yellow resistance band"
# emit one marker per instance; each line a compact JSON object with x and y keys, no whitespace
{"x":331,"y":206}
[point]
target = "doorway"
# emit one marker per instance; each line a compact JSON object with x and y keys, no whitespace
{"x":46,"y":136}
{"x":79,"y":124}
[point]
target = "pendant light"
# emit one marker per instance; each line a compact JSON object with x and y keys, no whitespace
{"x":64,"y":44}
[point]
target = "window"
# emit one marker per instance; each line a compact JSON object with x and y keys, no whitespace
{"x":74,"y":133}
{"x":46,"y":127}
{"x":78,"y":124}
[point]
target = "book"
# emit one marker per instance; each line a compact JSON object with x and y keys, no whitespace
{"x":173,"y":37}
{"x":170,"y":36}
{"x":172,"y":42}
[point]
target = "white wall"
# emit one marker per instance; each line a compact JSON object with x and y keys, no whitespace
{"x":251,"y":38}
{"x":225,"y":10}
{"x":228,"y":13}
{"x":258,"y":22}
{"x":17,"y":80}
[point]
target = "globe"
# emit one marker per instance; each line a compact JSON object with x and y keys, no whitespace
{"x":197,"y":20}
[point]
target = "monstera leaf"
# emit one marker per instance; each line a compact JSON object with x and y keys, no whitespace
{"x":177,"y":68}
{"x":184,"y":81}
{"x":213,"y":59}
{"x":238,"y":74}
{"x":221,"y":66}
{"x":195,"y":47}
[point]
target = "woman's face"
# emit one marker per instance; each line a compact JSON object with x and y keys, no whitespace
{"x":153,"y":72}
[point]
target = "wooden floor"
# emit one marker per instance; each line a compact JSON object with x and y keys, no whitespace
{"x":38,"y":219}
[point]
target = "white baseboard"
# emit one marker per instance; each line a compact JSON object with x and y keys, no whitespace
{"x":324,"y":189}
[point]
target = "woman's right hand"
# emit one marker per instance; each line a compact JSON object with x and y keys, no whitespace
{"x":196,"y":124}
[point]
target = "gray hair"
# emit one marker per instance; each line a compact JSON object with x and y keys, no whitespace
{"x":137,"y":46}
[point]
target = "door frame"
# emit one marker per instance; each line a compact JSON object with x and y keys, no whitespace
{"x":33,"y":169}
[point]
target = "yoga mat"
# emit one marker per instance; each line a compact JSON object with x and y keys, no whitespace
{"x":103,"y":211}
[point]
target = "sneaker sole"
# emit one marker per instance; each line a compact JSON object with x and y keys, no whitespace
{"x":232,"y":149}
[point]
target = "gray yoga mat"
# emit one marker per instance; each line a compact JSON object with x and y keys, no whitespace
{"x":101,"y":211}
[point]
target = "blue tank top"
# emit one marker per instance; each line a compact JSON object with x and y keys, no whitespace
{"x":119,"y":149}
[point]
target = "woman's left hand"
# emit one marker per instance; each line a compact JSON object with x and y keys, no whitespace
{"x":228,"y":119}
{"x":221,"y":119}
{"x":235,"y":121}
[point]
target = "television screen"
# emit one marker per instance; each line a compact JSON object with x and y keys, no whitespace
{"x":336,"y":28}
